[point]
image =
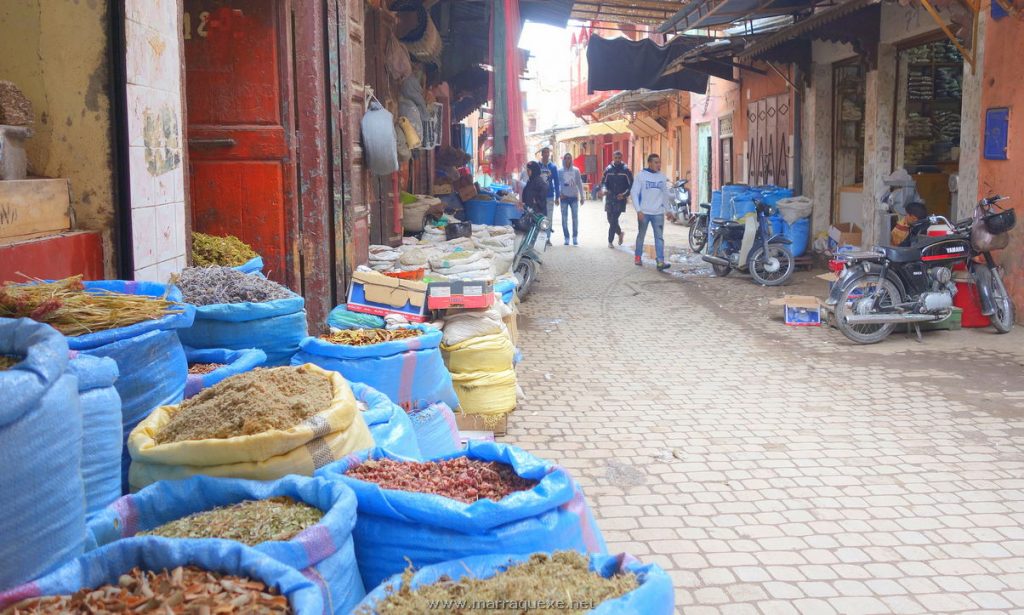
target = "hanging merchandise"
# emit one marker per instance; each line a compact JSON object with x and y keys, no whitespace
{"x":218,"y":573}
{"x":396,"y":59}
{"x":413,"y":137}
{"x":208,"y":366}
{"x":514,"y":503}
{"x":253,"y":425}
{"x":390,"y":426}
{"x":379,"y":139}
{"x":509,"y":151}
{"x":101,"y":429}
{"x":404,"y":151}
{"x":42,"y":510}
{"x":423,"y":41}
{"x":305,"y":523}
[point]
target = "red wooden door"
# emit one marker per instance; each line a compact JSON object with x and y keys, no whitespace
{"x":242,"y":172}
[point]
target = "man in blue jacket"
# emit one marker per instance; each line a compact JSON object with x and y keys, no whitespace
{"x":549,"y":172}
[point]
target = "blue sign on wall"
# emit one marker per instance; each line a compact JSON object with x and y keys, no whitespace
{"x":997,"y":129}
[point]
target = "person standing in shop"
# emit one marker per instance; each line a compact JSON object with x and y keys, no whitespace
{"x":652,"y":200}
{"x":549,"y":172}
{"x":617,"y":182}
{"x":571,"y":193}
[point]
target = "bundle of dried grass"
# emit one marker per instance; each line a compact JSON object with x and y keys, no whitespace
{"x":66,"y":306}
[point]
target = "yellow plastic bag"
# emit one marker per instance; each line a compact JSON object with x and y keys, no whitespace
{"x":319,"y":440}
{"x":486,"y":353}
{"x":490,"y":394}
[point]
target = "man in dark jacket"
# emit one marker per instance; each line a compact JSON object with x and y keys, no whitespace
{"x":617,"y":182}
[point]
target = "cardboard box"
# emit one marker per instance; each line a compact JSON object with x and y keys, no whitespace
{"x":475,"y":422}
{"x":465,"y":188}
{"x":800,"y":310}
{"x":31,"y":208}
{"x":378,"y":294}
{"x":844,"y":234}
{"x":466,"y":294}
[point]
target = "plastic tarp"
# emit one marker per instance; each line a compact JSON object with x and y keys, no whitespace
{"x":42,"y":509}
{"x":323,"y":552}
{"x":101,"y":429}
{"x":428,"y":529}
{"x":654,"y":596}
{"x":105,"y":566}
{"x":235,"y":362}
{"x":343,"y":318}
{"x":436,"y":430}
{"x":275,"y":327}
{"x":391,"y":427}
{"x":253,"y":265}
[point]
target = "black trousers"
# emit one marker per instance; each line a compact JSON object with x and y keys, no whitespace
{"x":613,"y":222}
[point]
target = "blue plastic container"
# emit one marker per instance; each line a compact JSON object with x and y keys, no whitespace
{"x":505,"y":213}
{"x":778,"y":225}
{"x":480,"y":212}
{"x":799,"y":233}
{"x":716,"y":204}
{"x":730,"y":194}
{"x":742,"y":206}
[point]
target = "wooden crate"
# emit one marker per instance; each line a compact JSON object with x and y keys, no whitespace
{"x":31,"y":208}
{"x":474,"y":422}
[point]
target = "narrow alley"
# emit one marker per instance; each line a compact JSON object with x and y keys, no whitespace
{"x":766,"y":478}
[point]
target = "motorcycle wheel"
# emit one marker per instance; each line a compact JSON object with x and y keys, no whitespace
{"x":698,"y":234}
{"x":720,"y":270}
{"x":1002,"y":320}
{"x":853,"y":301}
{"x":771,"y":269}
{"x":526,"y":273}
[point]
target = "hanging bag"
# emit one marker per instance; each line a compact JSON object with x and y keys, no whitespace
{"x":379,"y":140}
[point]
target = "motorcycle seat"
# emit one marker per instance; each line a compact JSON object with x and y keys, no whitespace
{"x":724,"y":222}
{"x":902,"y":255}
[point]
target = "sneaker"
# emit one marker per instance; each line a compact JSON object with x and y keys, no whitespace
{"x":638,"y":261}
{"x":662,"y":265}
{"x":575,"y":241}
{"x":566,"y":241}
{"x":622,"y":237}
{"x":611,"y":245}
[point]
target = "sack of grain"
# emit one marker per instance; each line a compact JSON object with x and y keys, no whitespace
{"x":390,"y":426}
{"x":42,"y":510}
{"x":410,"y":372}
{"x":101,"y":429}
{"x":654,"y":594}
{"x":428,"y":528}
{"x":489,"y":394}
{"x":316,"y":542}
{"x":436,"y":430}
{"x":106,"y":566}
{"x":230,"y":362}
{"x":486,"y":353}
{"x":463,"y":325}
{"x":259,"y":453}
{"x":151,"y":363}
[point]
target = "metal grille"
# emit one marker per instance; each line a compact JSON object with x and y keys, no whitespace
{"x":768,"y":127}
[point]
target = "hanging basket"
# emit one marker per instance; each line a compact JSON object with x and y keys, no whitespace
{"x":428,"y":47}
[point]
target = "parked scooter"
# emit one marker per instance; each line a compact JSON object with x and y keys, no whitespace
{"x":699,"y":228}
{"x":680,"y":206}
{"x":526,"y":262}
{"x":751,"y":245}
{"x":889,"y":286}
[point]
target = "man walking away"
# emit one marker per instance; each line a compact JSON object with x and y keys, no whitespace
{"x":571,"y":194}
{"x":617,"y":182}
{"x":652,"y":199}
{"x":549,"y":171}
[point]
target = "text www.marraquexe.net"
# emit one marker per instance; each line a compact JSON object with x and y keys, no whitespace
{"x":513,"y":605}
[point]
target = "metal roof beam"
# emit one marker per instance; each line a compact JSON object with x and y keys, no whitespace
{"x":667,"y":7}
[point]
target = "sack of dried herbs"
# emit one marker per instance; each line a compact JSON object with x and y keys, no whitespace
{"x":42,"y":506}
{"x":390,"y":426}
{"x":393,"y":525}
{"x":245,"y":413}
{"x":232,"y":361}
{"x":595,"y":584}
{"x":305,"y":523}
{"x":198,"y":575}
{"x":150,"y":360}
{"x":237,"y":311}
{"x":410,"y":372}
{"x":101,"y":429}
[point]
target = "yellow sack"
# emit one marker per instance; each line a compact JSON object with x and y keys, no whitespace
{"x":319,"y":440}
{"x":486,"y":393}
{"x":486,"y":353}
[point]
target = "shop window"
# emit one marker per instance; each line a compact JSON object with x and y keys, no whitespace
{"x":725,"y":154}
{"x":848,"y":81}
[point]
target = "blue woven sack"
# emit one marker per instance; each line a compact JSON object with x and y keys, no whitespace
{"x":101,"y":429}
{"x":343,"y":318}
{"x":323,"y":552}
{"x":235,"y":362}
{"x":42,"y":507}
{"x":390,"y":426}
{"x":436,"y":430}
{"x":428,"y":529}
{"x":105,"y":566}
{"x":275,"y":327}
{"x":253,"y":265}
{"x":654,"y":596}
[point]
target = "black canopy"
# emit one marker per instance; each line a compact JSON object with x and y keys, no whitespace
{"x":624,"y":64}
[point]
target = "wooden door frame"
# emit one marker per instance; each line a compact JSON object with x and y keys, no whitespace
{"x":286,"y":75}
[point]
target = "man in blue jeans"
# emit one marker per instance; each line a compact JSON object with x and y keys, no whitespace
{"x":571,"y":192}
{"x":652,"y":199}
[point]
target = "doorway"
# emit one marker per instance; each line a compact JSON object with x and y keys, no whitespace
{"x":240,"y":128}
{"x":704,"y":162}
{"x":848,"y":106}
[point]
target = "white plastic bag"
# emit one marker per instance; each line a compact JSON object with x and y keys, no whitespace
{"x":379,"y":140}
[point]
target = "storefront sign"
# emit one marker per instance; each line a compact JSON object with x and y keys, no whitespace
{"x":997,"y":129}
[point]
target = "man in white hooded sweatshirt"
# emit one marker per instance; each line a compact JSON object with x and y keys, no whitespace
{"x":652,"y":199}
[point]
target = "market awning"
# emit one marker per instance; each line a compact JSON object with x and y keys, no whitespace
{"x":646,"y":127}
{"x":624,"y":64}
{"x":717,"y":13}
{"x":633,"y":101}
{"x":551,"y":12}
{"x":822,"y":25}
{"x":613,"y":127}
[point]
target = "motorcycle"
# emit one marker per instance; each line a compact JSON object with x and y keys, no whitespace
{"x":888,"y":286}
{"x":699,"y":228}
{"x":680,"y":206}
{"x":753,"y":246}
{"x":526,"y":261}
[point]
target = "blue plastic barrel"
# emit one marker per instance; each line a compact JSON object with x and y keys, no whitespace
{"x":716,"y":204}
{"x":778,"y":225}
{"x":505,"y":213}
{"x":743,"y":205}
{"x":729,"y":195}
{"x":799,"y":233}
{"x":480,"y":212}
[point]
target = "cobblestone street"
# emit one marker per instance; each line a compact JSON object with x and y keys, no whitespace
{"x":774,"y":470}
